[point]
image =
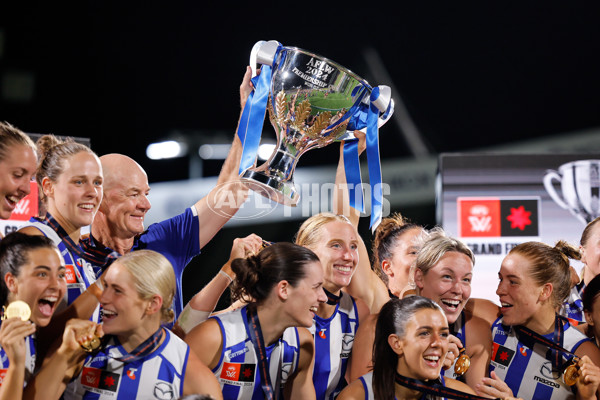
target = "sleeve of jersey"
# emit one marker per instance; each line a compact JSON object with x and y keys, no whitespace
{"x":177,"y":238}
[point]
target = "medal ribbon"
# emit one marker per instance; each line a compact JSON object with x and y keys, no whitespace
{"x":255,"y":332}
{"x":555,"y":345}
{"x":145,"y":348}
{"x":435,"y":389}
{"x":332,"y":299}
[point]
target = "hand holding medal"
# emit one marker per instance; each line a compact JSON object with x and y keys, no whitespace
{"x":463,"y":363}
{"x":584,"y":374}
{"x":82,"y":334}
{"x":17,"y":308}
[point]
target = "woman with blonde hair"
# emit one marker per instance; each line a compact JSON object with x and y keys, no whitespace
{"x":138,"y":357}
{"x":335,"y":241}
{"x":443,"y":272}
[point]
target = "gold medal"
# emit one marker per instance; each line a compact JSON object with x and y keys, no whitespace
{"x":462,"y":364}
{"x":571,"y":374}
{"x":19,"y":309}
{"x":91,"y":345}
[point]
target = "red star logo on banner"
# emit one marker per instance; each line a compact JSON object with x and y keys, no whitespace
{"x":519,"y":218}
{"x":109,"y":381}
{"x":247,"y":372}
{"x":504,"y":356}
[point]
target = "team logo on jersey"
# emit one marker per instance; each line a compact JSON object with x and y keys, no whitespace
{"x":238,"y":374}
{"x":501,"y":354}
{"x":2,"y":375}
{"x":164,"y":390}
{"x":322,"y":334}
{"x":131,"y":373}
{"x":94,"y":378}
{"x":548,"y":371}
{"x":347,"y":342}
{"x":523,"y":351}
{"x":286,"y":369}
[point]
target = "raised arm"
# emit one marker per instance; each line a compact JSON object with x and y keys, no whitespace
{"x":204,"y":302}
{"x":223,"y":201}
{"x":57,"y":370}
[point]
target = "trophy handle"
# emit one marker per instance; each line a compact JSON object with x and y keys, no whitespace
{"x":550,"y":175}
{"x":263,"y":53}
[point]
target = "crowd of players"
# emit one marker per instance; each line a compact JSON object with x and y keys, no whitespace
{"x":314,"y":319}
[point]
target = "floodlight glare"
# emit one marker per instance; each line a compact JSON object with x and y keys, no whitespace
{"x":165,"y":150}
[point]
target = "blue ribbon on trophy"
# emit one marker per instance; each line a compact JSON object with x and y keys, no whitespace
{"x":367,"y":116}
{"x":253,"y":115}
{"x":312,"y":102}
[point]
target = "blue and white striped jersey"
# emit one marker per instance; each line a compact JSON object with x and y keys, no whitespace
{"x":525,"y":366}
{"x":238,"y":370}
{"x":159,"y":375}
{"x":334,"y":338}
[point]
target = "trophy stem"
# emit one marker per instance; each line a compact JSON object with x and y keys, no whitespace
{"x":274,"y":178}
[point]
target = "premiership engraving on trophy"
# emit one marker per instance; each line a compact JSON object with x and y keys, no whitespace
{"x":579,"y":186}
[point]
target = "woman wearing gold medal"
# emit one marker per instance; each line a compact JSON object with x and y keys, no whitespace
{"x":139,"y":358}
{"x":443,"y":273}
{"x":33,"y":282}
{"x":536,"y":353}
{"x":411,"y":342}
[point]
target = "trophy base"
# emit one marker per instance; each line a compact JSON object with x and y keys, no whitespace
{"x":272,"y":188}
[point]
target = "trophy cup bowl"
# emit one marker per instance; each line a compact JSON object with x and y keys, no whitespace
{"x":580,"y":188}
{"x":311,"y":101}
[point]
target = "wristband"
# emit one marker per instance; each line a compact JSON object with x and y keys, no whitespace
{"x":226,"y":275}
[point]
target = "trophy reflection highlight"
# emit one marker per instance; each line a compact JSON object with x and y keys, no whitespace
{"x":310,"y":103}
{"x":580,"y":187}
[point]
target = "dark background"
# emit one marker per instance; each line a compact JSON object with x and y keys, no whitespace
{"x":472,"y":74}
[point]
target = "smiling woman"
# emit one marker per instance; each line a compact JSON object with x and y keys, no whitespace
{"x":443,"y":273}
{"x":534,"y":281}
{"x":335,"y":240}
{"x":411,"y":342}
{"x":33,"y":272}
{"x":268,"y":337}
{"x":17,"y":166}
{"x":70,"y":180}
{"x":138,"y":356}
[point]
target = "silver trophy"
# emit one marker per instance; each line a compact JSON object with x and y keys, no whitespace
{"x":580,"y":187}
{"x":311,"y":100}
